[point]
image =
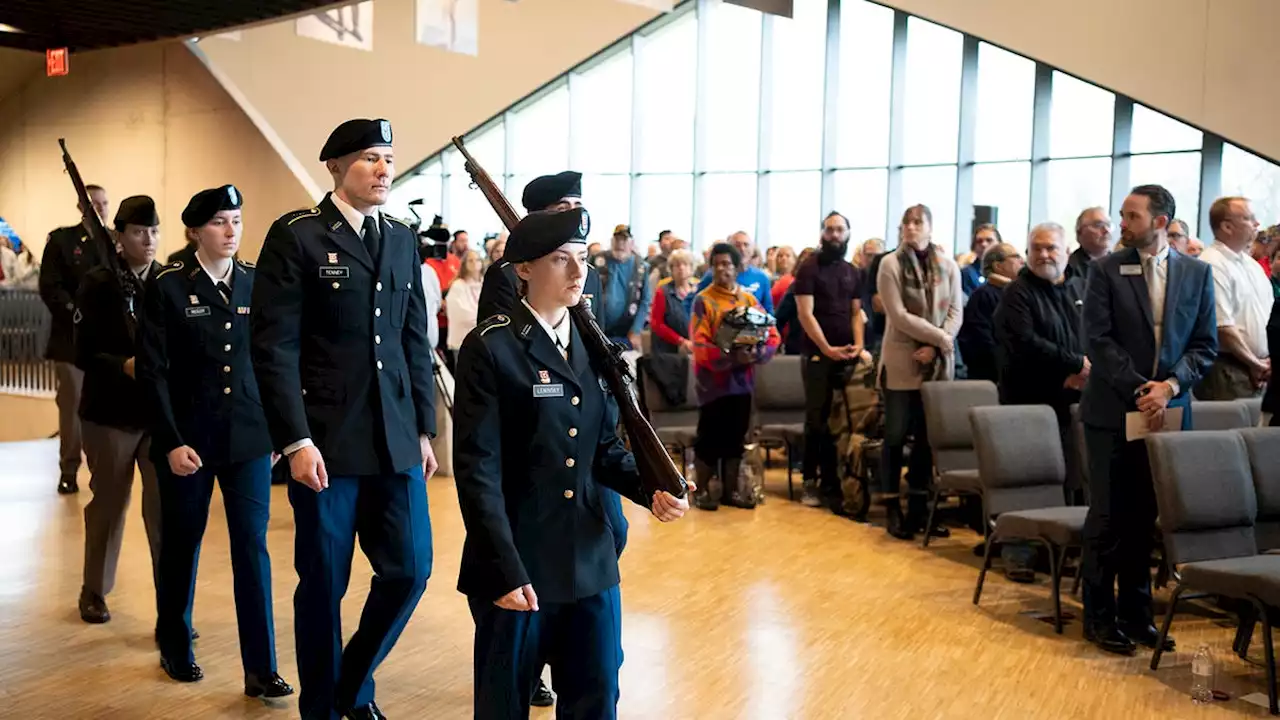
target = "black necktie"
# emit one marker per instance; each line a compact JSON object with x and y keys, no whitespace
{"x":372,"y":238}
{"x":224,"y":291}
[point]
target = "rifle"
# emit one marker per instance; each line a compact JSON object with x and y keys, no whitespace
{"x":657,"y":471}
{"x":98,"y":232}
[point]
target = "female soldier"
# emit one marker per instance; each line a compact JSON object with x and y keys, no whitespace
{"x":207,"y":422}
{"x":534,"y":442}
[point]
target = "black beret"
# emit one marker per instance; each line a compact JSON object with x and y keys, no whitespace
{"x":136,"y":210}
{"x":543,"y":192}
{"x":540,"y":233}
{"x":207,"y":203}
{"x":438,"y":231}
{"x":354,"y":136}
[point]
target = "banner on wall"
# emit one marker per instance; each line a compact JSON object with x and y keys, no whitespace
{"x":785,"y":8}
{"x":453,"y":25}
{"x":350,"y":26}
{"x":661,"y":5}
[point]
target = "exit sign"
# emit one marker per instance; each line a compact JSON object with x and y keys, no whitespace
{"x":56,"y":62}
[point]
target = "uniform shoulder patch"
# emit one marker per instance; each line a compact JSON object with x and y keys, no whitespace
{"x":493,"y":323}
{"x":171,"y":267}
{"x":297,"y":215}
{"x":246,"y":263}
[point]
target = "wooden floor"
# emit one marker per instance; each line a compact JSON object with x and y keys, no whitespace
{"x":784,"y":612}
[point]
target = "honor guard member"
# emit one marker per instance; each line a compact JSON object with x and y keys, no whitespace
{"x":535,"y":444}
{"x":113,"y":417}
{"x":69,"y":253}
{"x":206,"y":422}
{"x":339,"y":343}
{"x":498,"y":296}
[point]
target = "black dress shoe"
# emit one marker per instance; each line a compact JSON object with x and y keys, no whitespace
{"x":93,"y":608}
{"x":1147,"y":636}
{"x":365,"y":712}
{"x":270,"y":685}
{"x":542,"y":697}
{"x":1109,"y":639}
{"x":68,"y":486}
{"x":182,"y":671}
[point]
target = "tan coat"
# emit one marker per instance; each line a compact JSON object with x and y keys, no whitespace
{"x":905,"y":333}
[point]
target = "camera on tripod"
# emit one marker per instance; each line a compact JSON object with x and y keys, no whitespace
{"x":434,"y":241}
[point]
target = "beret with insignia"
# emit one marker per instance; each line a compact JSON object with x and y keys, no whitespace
{"x":354,"y":136}
{"x":136,"y":210}
{"x":207,"y":203}
{"x":543,"y":192}
{"x":540,"y":233}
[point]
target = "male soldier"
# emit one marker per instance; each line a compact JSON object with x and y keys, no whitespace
{"x":114,"y":419}
{"x":340,"y":351}
{"x":69,"y":253}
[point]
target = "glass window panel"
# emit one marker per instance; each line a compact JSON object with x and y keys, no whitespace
{"x":861,"y":196}
{"x":1007,"y":186}
{"x":1154,"y":132}
{"x":728,"y":205}
{"x":663,"y":202}
{"x":1179,"y":173}
{"x":608,"y":200}
{"x":665,"y":86}
{"x":468,"y":210}
{"x":1081,"y":118}
{"x":1248,"y":175}
{"x":795,"y":211}
{"x":427,"y":188}
{"x":799,"y":55}
{"x":515,"y":189}
{"x":931,"y":123}
{"x":601,"y":102}
{"x":935,"y":187}
{"x":1006,"y":99}
{"x":539,"y":135}
{"x":1075,"y":185}
{"x":866,"y":75}
{"x":733,"y":88}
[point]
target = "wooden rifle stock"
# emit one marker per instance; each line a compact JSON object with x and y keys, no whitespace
{"x":97,"y":231}
{"x":657,"y":471}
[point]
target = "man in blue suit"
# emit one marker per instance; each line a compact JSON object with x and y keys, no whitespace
{"x":1151,"y":335}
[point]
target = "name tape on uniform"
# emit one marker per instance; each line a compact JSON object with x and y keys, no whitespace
{"x":546,"y":391}
{"x":340,"y":271}
{"x":198,"y":311}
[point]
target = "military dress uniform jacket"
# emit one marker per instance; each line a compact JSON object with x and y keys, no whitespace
{"x":69,"y":254}
{"x":534,"y":439}
{"x":106,"y":336}
{"x":339,"y":342}
{"x":193,"y":363}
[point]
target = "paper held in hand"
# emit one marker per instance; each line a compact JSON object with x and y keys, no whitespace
{"x":1136,"y":425}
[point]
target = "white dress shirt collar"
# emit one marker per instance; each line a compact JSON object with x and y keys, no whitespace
{"x":1160,"y":256}
{"x":354,"y":217}
{"x":226,"y":278}
{"x":560,"y":332}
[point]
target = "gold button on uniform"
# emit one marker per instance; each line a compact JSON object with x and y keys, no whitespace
{"x":377,"y":286}
{"x":227,"y":326}
{"x":337,"y":285}
{"x":408,"y":285}
{"x":227,"y":348}
{"x":574,"y":400}
{"x":377,"y":312}
{"x":573,"y":432}
{"x":226,"y":391}
{"x":377,"y":339}
{"x":568,"y":494}
{"x":226,"y":368}
{"x":569,"y":462}
{"x":379,"y":364}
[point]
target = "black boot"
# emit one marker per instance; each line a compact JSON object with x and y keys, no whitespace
{"x":895,"y":524}
{"x":706,"y":497}
{"x":732,"y":493}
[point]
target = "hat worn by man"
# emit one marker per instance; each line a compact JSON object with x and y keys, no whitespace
{"x":622,"y":230}
{"x":354,"y":136}
{"x":207,"y":203}
{"x":543,"y":192}
{"x":136,"y":210}
{"x":539,"y":234}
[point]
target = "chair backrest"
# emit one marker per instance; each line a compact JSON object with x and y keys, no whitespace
{"x":656,"y":404}
{"x":1020,"y":458}
{"x":1263,"y":445}
{"x":1204,"y":491}
{"x":1254,"y":405}
{"x":1220,"y":415}
{"x":780,"y":384}
{"x":946,"y":416}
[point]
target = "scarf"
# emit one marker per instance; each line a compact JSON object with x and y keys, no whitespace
{"x":921,"y":296}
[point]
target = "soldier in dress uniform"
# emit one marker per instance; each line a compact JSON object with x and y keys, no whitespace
{"x":207,"y":421}
{"x":113,"y":417}
{"x":339,"y":346}
{"x":69,"y":253}
{"x":535,"y":444}
{"x":498,"y":296}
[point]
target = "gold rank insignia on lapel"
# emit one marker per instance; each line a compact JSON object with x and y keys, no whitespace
{"x":544,"y":377}
{"x":242,"y":310}
{"x":333,"y":258}
{"x":194,"y":300}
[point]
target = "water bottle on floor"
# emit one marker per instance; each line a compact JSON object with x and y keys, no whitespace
{"x":1202,"y":676}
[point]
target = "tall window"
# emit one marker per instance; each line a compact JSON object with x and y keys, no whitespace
{"x":1006,"y":97}
{"x":539,"y":134}
{"x":1081,"y":118}
{"x":732,"y":100}
{"x":665,"y":85}
{"x":861,"y":195}
{"x":799,"y":50}
{"x":1248,"y":175}
{"x":931,"y":124}
{"x":728,"y":205}
{"x":866,"y":73}
{"x":600,"y":98}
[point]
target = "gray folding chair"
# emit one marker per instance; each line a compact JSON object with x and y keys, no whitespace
{"x":779,"y":402}
{"x":946,"y":416}
{"x":1220,"y":415}
{"x":677,"y":426}
{"x":1263,"y":445}
{"x":1207,"y":504}
{"x":1022,"y":469}
{"x":1254,"y":406}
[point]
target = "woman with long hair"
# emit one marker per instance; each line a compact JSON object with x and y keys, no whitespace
{"x":462,"y":303}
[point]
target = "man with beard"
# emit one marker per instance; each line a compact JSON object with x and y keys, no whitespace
{"x":828,"y":291}
{"x":1150,"y":333}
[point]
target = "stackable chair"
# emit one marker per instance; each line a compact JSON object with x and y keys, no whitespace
{"x":779,"y":402}
{"x":946,"y":414}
